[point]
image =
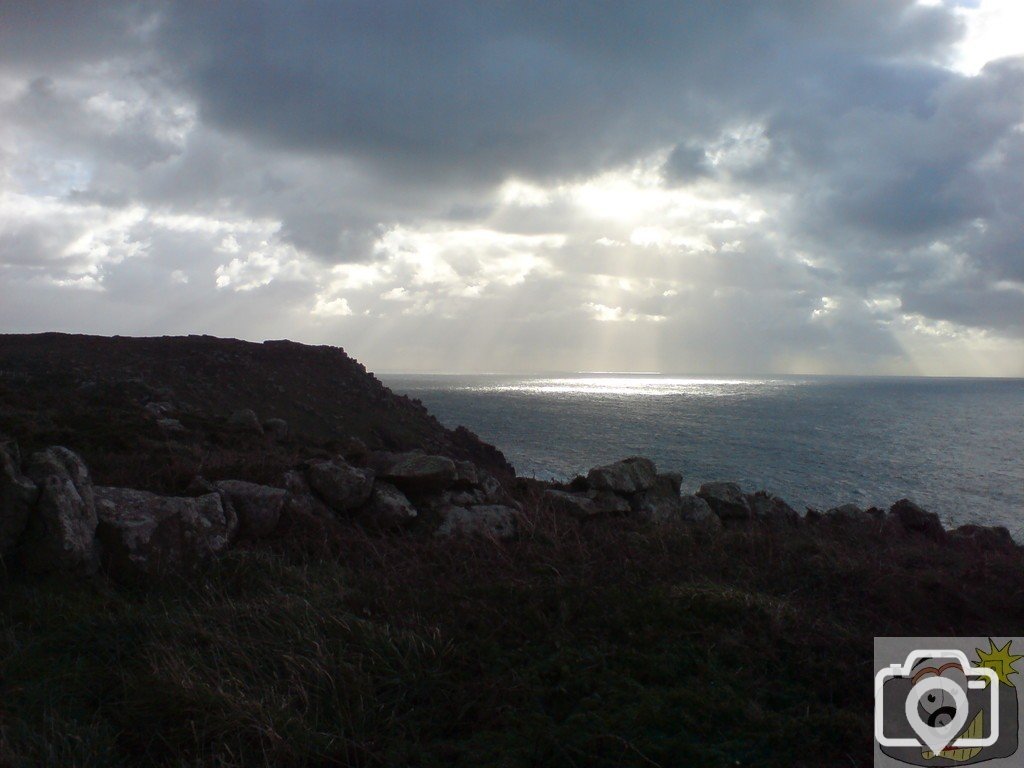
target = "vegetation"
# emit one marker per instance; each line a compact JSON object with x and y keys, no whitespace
{"x":606,"y":644}
{"x":91,"y":393}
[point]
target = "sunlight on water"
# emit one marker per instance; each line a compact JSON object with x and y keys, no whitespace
{"x":644,"y":386}
{"x":952,"y":445}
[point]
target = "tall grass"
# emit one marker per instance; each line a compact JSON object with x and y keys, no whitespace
{"x":606,"y":644}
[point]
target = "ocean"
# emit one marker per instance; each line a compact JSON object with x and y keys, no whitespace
{"x":953,"y":445}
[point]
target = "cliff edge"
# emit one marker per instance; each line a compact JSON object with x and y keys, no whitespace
{"x":152,"y":413}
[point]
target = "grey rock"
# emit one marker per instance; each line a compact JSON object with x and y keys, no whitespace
{"x":389,"y":507}
{"x":568,"y":503}
{"x":465,"y":498}
{"x":917,"y":520}
{"x":245,"y":420}
{"x":661,"y":502}
{"x":18,"y":494}
{"x":494,"y":492}
{"x":159,"y":409}
{"x":694,"y":510}
{"x":585,"y":505}
{"x":420,"y":472}
{"x":768,"y":508}
{"x":624,"y":477}
{"x":171,"y":426}
{"x":726,"y":500}
{"x":466,"y":475}
{"x":61,"y":531}
{"x":276,"y":428}
{"x":300,"y":500}
{"x":849,"y":513}
{"x":144,"y":534}
{"x":491,"y":521}
{"x":341,"y":486}
{"x":295,"y":483}
{"x":258,"y":507}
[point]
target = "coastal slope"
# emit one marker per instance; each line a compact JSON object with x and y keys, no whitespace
{"x":154,"y":412}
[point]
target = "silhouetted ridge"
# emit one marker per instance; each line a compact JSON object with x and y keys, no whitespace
{"x":120,"y":401}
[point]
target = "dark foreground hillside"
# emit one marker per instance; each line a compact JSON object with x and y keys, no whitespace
{"x":602,"y":644}
{"x":370,"y":606}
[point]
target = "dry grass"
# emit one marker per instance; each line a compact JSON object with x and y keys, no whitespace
{"x":605,"y":644}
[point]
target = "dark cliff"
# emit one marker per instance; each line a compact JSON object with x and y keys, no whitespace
{"x":153,"y":412}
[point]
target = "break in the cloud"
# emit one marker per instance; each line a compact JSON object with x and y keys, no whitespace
{"x":790,"y":186}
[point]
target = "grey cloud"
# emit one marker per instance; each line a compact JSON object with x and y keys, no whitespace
{"x":685,"y":163}
{"x":470,"y":90}
{"x":47,"y":37}
{"x":309,"y":132}
{"x":62,"y":123}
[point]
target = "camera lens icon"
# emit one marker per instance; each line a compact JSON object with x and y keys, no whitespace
{"x":931,"y":690}
{"x":936,"y":710}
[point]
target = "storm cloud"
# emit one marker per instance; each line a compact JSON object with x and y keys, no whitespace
{"x":709,"y":187}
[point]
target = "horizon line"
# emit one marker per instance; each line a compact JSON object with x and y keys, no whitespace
{"x":748,"y":375}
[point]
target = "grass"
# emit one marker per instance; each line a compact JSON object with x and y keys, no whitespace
{"x":609,"y":644}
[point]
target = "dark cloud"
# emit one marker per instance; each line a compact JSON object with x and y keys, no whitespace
{"x":686,"y":163}
{"x":541,"y":89}
{"x":765,"y":185}
{"x":49,"y":37}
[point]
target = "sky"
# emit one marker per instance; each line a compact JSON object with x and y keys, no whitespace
{"x":800,"y":186}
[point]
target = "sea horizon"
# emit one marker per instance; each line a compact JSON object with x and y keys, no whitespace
{"x":950,"y":443}
{"x":695,"y":375}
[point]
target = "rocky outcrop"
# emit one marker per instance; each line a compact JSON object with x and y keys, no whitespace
{"x":466,"y":475}
{"x":60,"y":534}
{"x":300,"y":500}
{"x":641,"y":492}
{"x":144,"y":534}
{"x":341,"y":486}
{"x":465,"y":498}
{"x":768,"y":508}
{"x":257,"y":507}
{"x":625,"y":477}
{"x":693,"y":509}
{"x":661,"y":502}
{"x":914,"y":519}
{"x":494,"y":492}
{"x":419,"y":472}
{"x":726,"y":500}
{"x":18,"y":496}
{"x":56,"y":521}
{"x":846,"y":514}
{"x":395,"y":490}
{"x":658,"y":500}
{"x":389,"y":507}
{"x":491,"y":521}
{"x":586,"y":504}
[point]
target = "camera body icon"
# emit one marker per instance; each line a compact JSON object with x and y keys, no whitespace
{"x":937,"y":700}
